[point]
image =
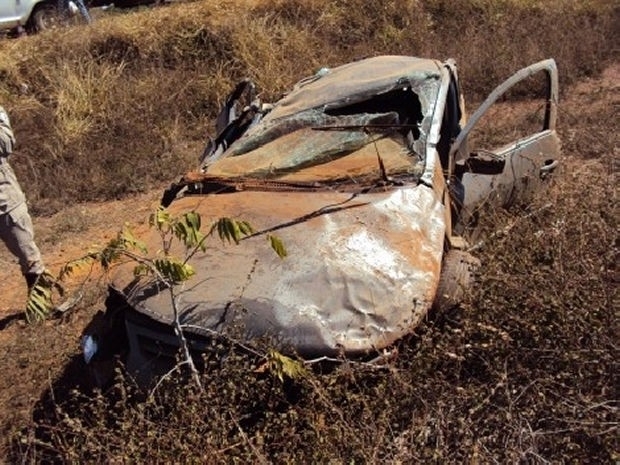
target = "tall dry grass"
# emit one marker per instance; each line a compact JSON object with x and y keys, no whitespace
{"x":125,"y":105}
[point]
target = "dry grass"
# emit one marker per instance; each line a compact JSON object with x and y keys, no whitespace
{"x":82,"y":99}
{"x":524,"y":372}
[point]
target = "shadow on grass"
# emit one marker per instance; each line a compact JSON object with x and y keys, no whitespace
{"x":37,"y":443}
{"x":10,"y":319}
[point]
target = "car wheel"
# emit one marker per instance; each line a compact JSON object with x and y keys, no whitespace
{"x":45,"y":16}
{"x":457,"y":276}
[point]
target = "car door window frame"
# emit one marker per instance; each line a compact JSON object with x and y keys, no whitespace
{"x":458,"y":151}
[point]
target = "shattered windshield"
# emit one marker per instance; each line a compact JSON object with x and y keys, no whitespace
{"x":317,"y":145}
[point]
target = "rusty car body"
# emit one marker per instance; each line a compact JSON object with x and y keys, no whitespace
{"x":365,"y":174}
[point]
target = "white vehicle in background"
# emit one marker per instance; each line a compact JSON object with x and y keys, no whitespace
{"x":33,"y":16}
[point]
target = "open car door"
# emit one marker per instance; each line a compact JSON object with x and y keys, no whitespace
{"x":523,"y":152}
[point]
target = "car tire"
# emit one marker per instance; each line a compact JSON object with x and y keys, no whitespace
{"x":457,"y":276}
{"x":45,"y":16}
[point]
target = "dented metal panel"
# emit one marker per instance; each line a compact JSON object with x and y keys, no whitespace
{"x":363,"y":266}
{"x":521,"y":177}
{"x":362,"y":270}
{"x":358,"y":81}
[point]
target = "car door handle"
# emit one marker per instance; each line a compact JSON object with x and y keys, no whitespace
{"x":548,"y":168}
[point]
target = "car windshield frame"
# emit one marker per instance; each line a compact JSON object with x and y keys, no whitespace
{"x":383,"y":118}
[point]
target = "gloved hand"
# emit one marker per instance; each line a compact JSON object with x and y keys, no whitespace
{"x":4,"y":117}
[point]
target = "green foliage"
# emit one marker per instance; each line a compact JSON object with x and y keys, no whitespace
{"x":187,"y":230}
{"x":165,"y":267}
{"x":277,"y":245}
{"x":231,"y":230}
{"x":161,"y":219}
{"x":280,"y":365}
{"x":119,"y":246}
{"x":172,"y":270}
{"x":40,"y":302}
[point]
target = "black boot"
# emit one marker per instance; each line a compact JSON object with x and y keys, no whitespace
{"x":31,"y":280}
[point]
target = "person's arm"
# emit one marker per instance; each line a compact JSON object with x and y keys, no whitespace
{"x":7,"y":139}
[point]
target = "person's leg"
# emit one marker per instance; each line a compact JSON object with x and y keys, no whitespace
{"x":17,"y":233}
{"x":84,"y":11}
{"x":64,"y":8}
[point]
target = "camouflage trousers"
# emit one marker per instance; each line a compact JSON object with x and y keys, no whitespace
{"x":17,"y":233}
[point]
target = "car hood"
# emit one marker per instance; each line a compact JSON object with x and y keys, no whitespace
{"x":361,"y":270}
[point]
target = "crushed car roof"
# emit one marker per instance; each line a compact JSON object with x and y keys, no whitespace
{"x":356,"y":81}
{"x":354,"y":106}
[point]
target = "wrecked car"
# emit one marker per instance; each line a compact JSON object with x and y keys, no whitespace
{"x":365,"y":173}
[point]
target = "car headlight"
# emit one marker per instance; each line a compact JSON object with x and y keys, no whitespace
{"x":89,"y":347}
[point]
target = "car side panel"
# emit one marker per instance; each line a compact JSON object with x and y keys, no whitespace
{"x":8,"y":14}
{"x":512,"y":173}
{"x":14,"y":13}
{"x":523,"y":173}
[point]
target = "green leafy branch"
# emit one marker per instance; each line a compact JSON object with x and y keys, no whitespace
{"x":281,"y":365}
{"x":40,"y":303}
{"x":165,"y":267}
